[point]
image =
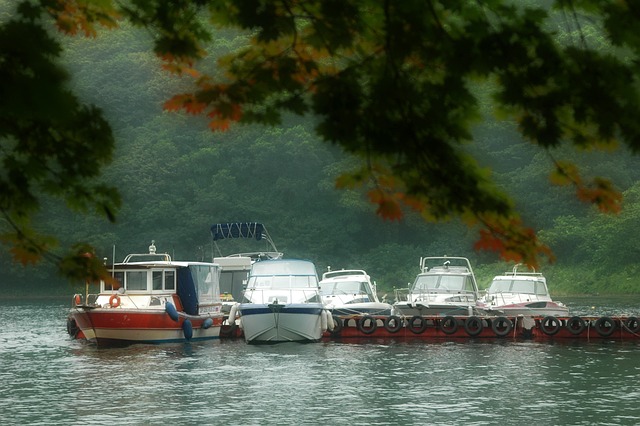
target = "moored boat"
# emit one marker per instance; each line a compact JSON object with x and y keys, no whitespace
{"x":521,"y":293}
{"x":351,"y":292}
{"x":151,"y":299}
{"x":282,"y":303}
{"x":444,"y":286}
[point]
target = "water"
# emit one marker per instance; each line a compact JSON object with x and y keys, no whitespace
{"x":48,"y":379}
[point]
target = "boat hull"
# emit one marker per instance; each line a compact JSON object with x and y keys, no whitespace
{"x":435,"y":309}
{"x":372,"y":308}
{"x":121,"y":327}
{"x":273,"y":323}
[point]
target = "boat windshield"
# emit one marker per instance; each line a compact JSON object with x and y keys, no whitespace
{"x":518,"y":286}
{"x":344,"y":287}
{"x":281,"y":274}
{"x":425,"y":283}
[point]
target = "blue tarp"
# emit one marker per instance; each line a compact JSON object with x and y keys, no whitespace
{"x":220,"y":231}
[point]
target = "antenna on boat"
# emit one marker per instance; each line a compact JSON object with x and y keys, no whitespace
{"x":152,"y":247}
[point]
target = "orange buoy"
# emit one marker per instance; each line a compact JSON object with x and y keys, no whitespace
{"x":114,"y":301}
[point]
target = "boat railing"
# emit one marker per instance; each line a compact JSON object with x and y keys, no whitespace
{"x":402,"y":294}
{"x":291,"y":295}
{"x":504,"y":298}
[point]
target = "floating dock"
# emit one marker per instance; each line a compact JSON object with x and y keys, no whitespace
{"x":438,"y":327}
{"x":466,"y":327}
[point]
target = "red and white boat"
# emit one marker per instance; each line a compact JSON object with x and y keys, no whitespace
{"x":154,"y":300}
{"x":521,"y":293}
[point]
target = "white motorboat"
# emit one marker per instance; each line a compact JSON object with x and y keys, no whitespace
{"x":282,"y":303}
{"x":351,"y":292}
{"x":521,"y":293}
{"x":445,"y":286}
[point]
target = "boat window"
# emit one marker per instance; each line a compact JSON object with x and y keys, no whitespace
{"x":426,"y":282}
{"x":169,"y":280}
{"x":136,"y":280}
{"x":500,"y":286}
{"x":541,"y":288}
{"x":157,"y":280}
{"x":523,"y":286}
{"x":119,"y":277}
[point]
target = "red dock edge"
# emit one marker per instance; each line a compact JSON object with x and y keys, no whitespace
{"x":466,"y":327}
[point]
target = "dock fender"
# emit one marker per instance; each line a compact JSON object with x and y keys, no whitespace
{"x":330,"y":324}
{"x":233,"y":313}
{"x":576,"y":325}
{"x":605,"y":326}
{"x":323,"y":320}
{"x":473,"y":326}
{"x":393,"y":323}
{"x":448,"y":325}
{"x":171,"y":311}
{"x":501,"y":326}
{"x":72,"y":327}
{"x":187,"y":329}
{"x":412,"y":324}
{"x":632,"y":325}
{"x":337,"y":326}
{"x":550,"y":325}
{"x":207,"y":323}
{"x":362,"y":324}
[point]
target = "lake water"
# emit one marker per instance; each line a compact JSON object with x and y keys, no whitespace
{"x":48,"y":379}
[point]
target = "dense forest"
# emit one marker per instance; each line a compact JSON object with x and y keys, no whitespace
{"x":177,"y":178}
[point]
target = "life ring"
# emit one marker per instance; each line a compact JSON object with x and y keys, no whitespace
{"x":114,"y":301}
{"x":419,"y":329}
{"x":601,"y":326}
{"x":77,"y":299}
{"x":501,"y":326}
{"x":550,"y":325}
{"x":576,"y":325}
{"x":362,"y":324}
{"x":337,"y":326}
{"x":632,"y":325}
{"x":448,"y":325}
{"x":393,"y":323}
{"x":473,"y":326}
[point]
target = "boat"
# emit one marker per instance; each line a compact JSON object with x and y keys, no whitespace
{"x":350,"y":292}
{"x":445,"y":286}
{"x":151,"y":299}
{"x":235,"y":267}
{"x":282,"y":303}
{"x":521,"y":293}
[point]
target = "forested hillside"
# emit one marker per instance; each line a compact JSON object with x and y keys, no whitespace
{"x":177,"y":178}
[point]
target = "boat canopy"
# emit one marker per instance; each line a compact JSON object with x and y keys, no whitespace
{"x":221,"y":231}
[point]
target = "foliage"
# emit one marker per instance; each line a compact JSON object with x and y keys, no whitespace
{"x":404,"y":103}
{"x":399,"y":85}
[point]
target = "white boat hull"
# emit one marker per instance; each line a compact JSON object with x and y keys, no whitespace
{"x":271,"y":323}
